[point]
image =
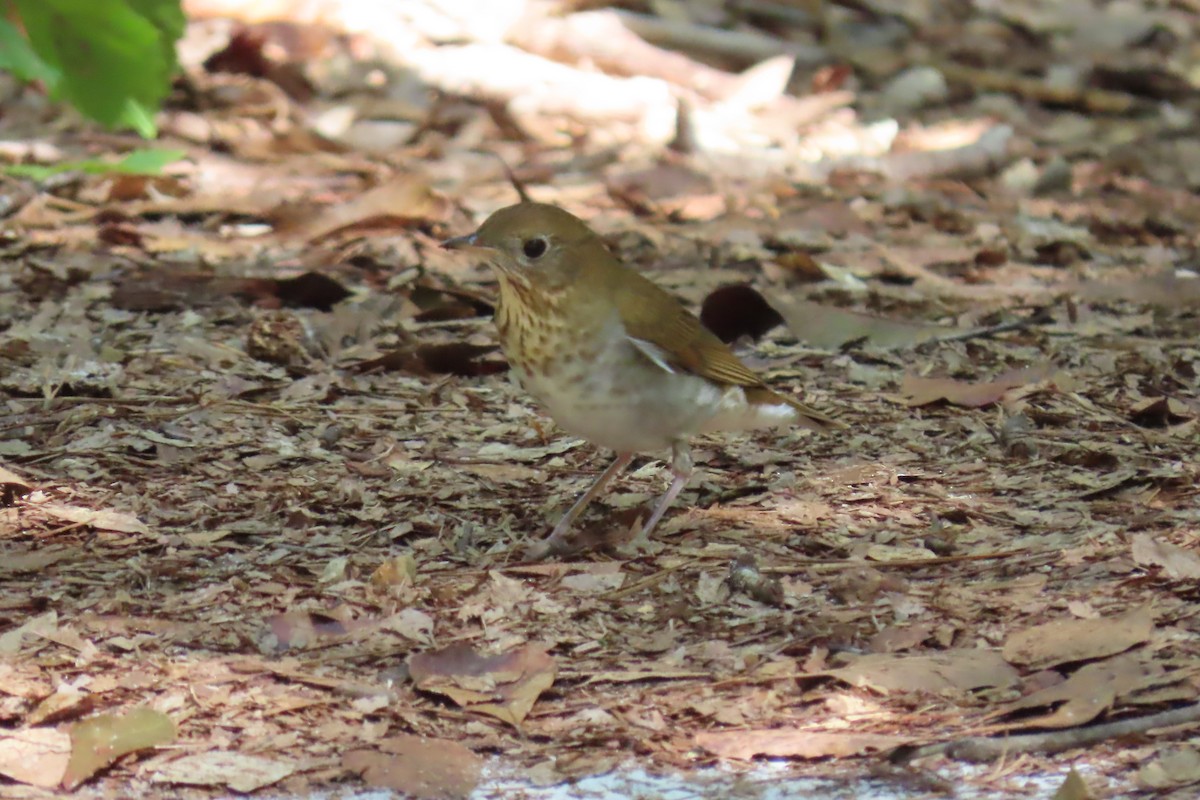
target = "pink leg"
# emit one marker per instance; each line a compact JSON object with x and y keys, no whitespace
{"x":556,"y":539}
{"x":682,"y":466}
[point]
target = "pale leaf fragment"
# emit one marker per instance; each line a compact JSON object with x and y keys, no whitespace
{"x":793,"y":743}
{"x":104,"y":519}
{"x":238,"y":771}
{"x":1176,"y":562}
{"x":37,"y":756}
{"x":824,"y":326}
{"x":1175,"y":767}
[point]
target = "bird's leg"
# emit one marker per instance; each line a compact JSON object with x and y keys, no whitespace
{"x":555,"y":540}
{"x":682,"y":467}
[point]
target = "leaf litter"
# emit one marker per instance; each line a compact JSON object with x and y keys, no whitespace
{"x":263,"y":480}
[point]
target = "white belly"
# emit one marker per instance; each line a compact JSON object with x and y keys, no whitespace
{"x":620,"y":399}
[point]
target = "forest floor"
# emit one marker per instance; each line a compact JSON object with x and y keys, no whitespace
{"x":265,"y":481}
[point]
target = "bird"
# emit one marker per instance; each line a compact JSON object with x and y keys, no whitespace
{"x":611,"y":356}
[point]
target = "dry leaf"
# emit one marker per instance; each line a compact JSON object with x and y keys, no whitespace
{"x":1177,"y":766}
{"x":421,"y":768}
{"x":952,"y":670}
{"x":1064,"y":641}
{"x":402,"y":201}
{"x":100,"y":519}
{"x":923,"y":391}
{"x":238,"y":771}
{"x":1176,"y":563}
{"x":1073,"y":788}
{"x":301,"y":629}
{"x":793,"y":743}
{"x":36,"y":756}
{"x":101,"y":740}
{"x":503,"y":686}
{"x":831,"y":328}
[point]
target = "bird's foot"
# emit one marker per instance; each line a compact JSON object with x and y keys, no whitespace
{"x":550,"y":546}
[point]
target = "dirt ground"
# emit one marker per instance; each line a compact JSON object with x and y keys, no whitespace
{"x":265,"y":481}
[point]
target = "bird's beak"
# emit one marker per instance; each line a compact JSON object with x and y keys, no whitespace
{"x":467,"y":242}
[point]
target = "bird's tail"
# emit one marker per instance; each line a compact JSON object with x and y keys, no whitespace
{"x":805,"y":415}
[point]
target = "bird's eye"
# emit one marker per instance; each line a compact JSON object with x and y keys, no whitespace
{"x":534,"y":248}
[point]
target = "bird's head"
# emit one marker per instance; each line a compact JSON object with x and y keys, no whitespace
{"x":532,"y":242}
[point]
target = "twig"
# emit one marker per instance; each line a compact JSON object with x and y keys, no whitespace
{"x":648,"y":581}
{"x":909,"y":564}
{"x":989,"y":748}
{"x":1040,"y":316}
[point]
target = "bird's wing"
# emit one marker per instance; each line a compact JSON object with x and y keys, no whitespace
{"x":669,"y":335}
{"x":674,"y":339}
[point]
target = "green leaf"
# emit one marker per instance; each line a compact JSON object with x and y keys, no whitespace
{"x":17,"y":57}
{"x":116,"y":57}
{"x":137,"y":162}
{"x":98,"y":741}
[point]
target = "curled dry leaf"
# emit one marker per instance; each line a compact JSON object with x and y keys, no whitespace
{"x":503,"y":686}
{"x":1094,"y":688}
{"x":297,"y":630}
{"x":1064,"y":641}
{"x":421,"y":768}
{"x":732,"y":312}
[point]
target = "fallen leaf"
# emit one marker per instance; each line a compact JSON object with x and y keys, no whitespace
{"x":1163,"y":288}
{"x":1176,"y":562}
{"x":37,"y":756}
{"x":295,"y":630}
{"x":1064,"y":641}
{"x":420,"y":768}
{"x":923,"y":391}
{"x":402,"y":201}
{"x":952,"y":670}
{"x":503,"y":686}
{"x":34,"y":560}
{"x":99,"y":518}
{"x":238,"y":771}
{"x":1073,"y":788}
{"x":1177,"y":766}
{"x":99,"y":741}
{"x":1091,"y":691}
{"x":831,"y":328}
{"x":794,"y":743}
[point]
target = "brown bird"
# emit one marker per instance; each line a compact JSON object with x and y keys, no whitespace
{"x":614,"y":358}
